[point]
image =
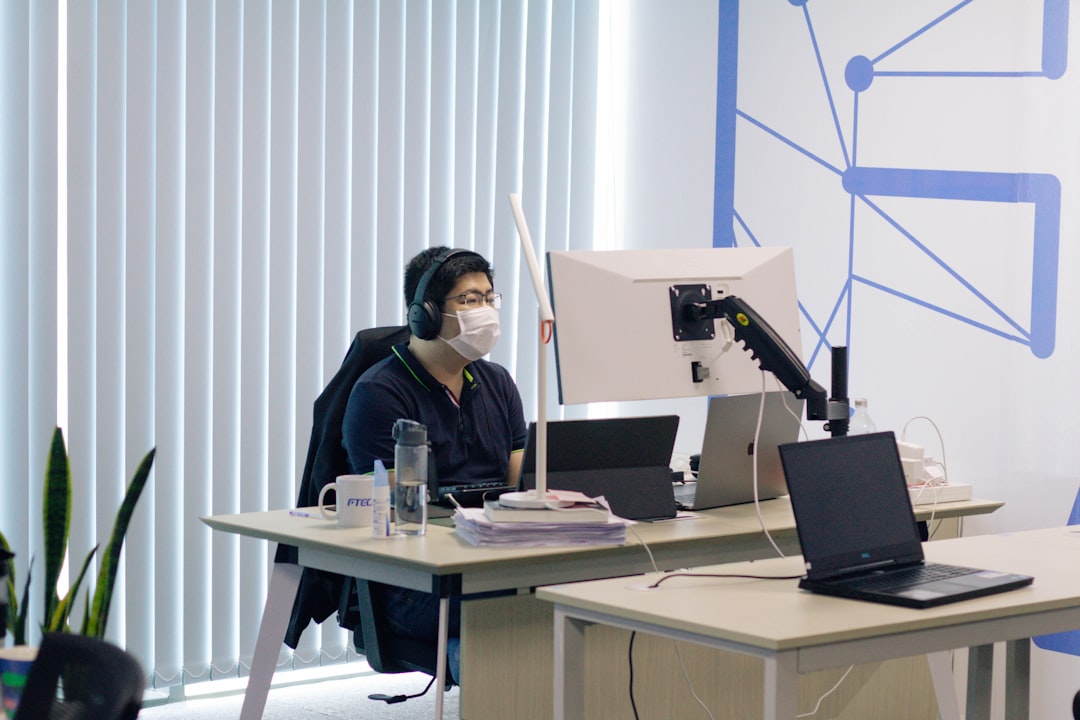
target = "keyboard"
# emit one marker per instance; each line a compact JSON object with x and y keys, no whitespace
{"x":685,"y":493}
{"x":471,"y":495}
{"x":906,"y":577}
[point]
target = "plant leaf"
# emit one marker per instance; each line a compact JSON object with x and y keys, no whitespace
{"x":99,"y":611}
{"x":58,"y":621}
{"x":13,"y":601}
{"x":15,"y":621}
{"x":18,"y":632}
{"x":56,"y":511}
{"x":86,"y":613}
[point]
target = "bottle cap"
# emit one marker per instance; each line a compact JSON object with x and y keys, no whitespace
{"x":409,"y":432}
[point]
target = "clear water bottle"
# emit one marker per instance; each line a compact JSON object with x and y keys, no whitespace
{"x":411,"y":472}
{"x":861,"y":422}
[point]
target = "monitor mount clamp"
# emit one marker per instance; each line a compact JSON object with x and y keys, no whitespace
{"x":693,"y":312}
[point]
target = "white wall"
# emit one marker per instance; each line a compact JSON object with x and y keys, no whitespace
{"x":1007,"y":417}
{"x":668,"y":88}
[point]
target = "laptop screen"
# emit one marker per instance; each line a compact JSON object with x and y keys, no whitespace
{"x":623,"y":459}
{"x":726,"y":470}
{"x":851,"y":505}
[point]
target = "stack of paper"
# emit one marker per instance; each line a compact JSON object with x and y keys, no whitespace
{"x":476,"y":529}
{"x":578,"y":512}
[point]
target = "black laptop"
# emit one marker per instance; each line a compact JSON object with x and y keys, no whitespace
{"x":444,"y":497}
{"x":627,"y":460}
{"x":858,"y":532}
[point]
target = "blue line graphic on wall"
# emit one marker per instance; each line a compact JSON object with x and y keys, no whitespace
{"x":870,"y":189}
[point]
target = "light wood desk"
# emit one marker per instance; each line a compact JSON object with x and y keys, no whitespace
{"x":797,"y":632}
{"x":495,"y":654}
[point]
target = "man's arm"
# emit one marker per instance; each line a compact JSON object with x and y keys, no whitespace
{"x":518,"y":431}
{"x":513,"y":469}
{"x":367,"y":428}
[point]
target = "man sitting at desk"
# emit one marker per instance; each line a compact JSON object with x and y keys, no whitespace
{"x":471,"y":407}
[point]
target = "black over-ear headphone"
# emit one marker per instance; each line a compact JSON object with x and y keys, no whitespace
{"x":425,"y":317}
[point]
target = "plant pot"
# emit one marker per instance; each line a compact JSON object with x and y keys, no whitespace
{"x":15,"y":665}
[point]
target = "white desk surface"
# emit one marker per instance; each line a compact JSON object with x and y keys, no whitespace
{"x":442,"y":562}
{"x":775,"y":615}
{"x":722,"y":534}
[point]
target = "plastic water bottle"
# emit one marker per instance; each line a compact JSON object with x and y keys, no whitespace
{"x":410,"y":477}
{"x":861,"y":423}
{"x":380,"y":506}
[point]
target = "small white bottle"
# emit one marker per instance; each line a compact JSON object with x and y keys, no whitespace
{"x":380,"y":506}
{"x":861,"y":423}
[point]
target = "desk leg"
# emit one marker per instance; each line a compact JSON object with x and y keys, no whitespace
{"x":284,"y":582}
{"x":440,"y":662}
{"x":941,"y":674}
{"x":980,"y":681}
{"x":569,"y":655}
{"x":1018,"y":679}
{"x":781,"y":686}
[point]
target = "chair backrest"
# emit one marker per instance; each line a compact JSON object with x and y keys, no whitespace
{"x":326,"y":458}
{"x":320,"y":592}
{"x":76,"y":677}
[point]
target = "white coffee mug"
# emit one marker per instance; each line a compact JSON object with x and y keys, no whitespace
{"x":354,"y":501}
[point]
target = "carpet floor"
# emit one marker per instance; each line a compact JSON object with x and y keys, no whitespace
{"x":304,"y":694}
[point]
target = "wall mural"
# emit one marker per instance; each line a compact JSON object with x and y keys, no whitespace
{"x":896,"y":151}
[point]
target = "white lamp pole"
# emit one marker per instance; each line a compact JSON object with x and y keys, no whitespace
{"x":539,"y":497}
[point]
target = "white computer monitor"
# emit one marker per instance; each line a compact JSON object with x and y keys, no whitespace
{"x":614,"y":336}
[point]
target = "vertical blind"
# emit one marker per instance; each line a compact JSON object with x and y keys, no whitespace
{"x":244,"y":182}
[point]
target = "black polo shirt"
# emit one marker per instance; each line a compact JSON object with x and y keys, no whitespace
{"x":471,"y":438}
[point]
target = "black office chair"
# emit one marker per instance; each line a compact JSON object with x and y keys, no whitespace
{"x":385,"y":650}
{"x":76,"y":677}
{"x":1076,"y":706}
{"x":319,"y":594}
{"x":322,"y":593}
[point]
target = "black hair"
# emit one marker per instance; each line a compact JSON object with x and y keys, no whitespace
{"x":447,"y":276}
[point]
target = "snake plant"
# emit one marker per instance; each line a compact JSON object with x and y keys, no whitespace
{"x":56,"y":518}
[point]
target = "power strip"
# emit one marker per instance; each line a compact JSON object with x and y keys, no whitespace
{"x":929,"y":494}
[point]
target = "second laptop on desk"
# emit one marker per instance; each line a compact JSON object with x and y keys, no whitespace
{"x":626,"y":460}
{"x":858,"y":531}
{"x":726,"y":469}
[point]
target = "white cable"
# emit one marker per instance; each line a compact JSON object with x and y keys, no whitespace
{"x":943,"y":463}
{"x":791,"y":412}
{"x":757,"y":501}
{"x":828,"y":692}
{"x":678,"y":652}
{"x":768,"y":535}
{"x":686,"y":675}
{"x":652,"y":560}
{"x":941,"y":441}
{"x":729,"y":340}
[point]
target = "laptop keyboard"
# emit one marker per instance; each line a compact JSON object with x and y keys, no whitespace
{"x":685,"y":494}
{"x":915,"y":575}
{"x":469,"y":495}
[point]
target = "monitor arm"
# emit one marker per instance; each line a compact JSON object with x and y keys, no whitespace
{"x":691,"y":306}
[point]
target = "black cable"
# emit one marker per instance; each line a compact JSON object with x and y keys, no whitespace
{"x":392,"y":699}
{"x":724,"y":575}
{"x":630,"y":662}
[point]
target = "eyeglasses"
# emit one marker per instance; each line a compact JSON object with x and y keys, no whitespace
{"x":473,"y":299}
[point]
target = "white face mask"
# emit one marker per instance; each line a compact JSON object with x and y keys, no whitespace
{"x":479,"y":331}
